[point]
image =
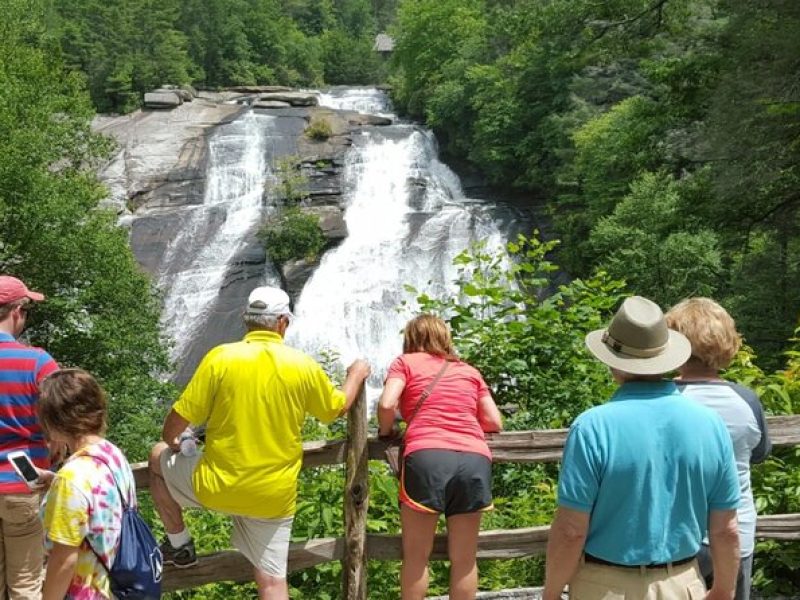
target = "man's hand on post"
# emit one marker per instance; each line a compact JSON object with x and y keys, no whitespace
{"x":359,"y":370}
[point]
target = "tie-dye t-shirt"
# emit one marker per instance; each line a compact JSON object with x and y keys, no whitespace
{"x":83,"y":506}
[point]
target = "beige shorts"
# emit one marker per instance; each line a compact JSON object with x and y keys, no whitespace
{"x":264,"y":542}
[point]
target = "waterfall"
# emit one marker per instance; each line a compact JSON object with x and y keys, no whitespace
{"x":363,"y":100}
{"x":407,"y":218}
{"x":198,"y":258}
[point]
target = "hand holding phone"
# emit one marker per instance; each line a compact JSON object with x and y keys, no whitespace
{"x":25,"y":469}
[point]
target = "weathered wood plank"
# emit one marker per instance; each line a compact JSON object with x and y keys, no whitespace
{"x":778,"y":527}
{"x":493,"y":544}
{"x":315,"y":454}
{"x":231,"y":565}
{"x":784,"y":430}
{"x":356,"y":502}
{"x":509,"y":447}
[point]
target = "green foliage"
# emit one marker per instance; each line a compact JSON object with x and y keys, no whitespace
{"x":586,"y":102}
{"x":647,"y":242}
{"x":127,"y":49}
{"x":124,"y":49}
{"x":292,"y":183}
{"x":319,"y":129}
{"x":350,"y":59}
{"x":101,"y":312}
{"x":525,"y":337}
{"x":291,"y":235}
{"x":776,"y":482}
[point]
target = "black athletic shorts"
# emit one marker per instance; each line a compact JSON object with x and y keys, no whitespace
{"x":446,"y":481}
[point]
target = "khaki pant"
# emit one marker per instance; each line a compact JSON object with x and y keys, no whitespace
{"x":604,"y":582}
{"x":22,"y":548}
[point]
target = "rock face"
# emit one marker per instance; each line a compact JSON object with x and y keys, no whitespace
{"x":160,"y":172}
{"x":293,"y":98}
{"x":259,"y":89}
{"x":294,"y":274}
{"x":270,"y":104}
{"x":161,"y":162}
{"x":162,"y":99}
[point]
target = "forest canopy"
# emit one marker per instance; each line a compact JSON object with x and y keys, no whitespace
{"x":663,"y":134}
{"x":131,"y":47}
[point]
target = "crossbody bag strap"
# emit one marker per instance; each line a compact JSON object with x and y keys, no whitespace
{"x":427,"y":392}
{"x":122,"y":499}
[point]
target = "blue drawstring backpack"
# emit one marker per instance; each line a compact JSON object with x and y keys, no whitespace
{"x":137,"y":568}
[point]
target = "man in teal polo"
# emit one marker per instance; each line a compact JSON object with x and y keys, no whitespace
{"x":644,"y":478}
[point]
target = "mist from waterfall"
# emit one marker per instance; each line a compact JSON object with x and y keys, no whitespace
{"x":407,"y":218}
{"x":197,"y":259}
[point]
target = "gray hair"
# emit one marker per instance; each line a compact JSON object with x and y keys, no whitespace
{"x":269,"y":322}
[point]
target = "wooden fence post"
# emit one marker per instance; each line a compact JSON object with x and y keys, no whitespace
{"x":356,"y":502}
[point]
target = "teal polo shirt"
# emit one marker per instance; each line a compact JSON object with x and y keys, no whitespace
{"x":648,"y":466}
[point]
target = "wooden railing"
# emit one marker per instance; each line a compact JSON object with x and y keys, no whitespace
{"x":357,"y":546}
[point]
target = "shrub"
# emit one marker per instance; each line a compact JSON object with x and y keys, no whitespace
{"x":525,"y":336}
{"x":291,"y":235}
{"x":319,"y":129}
{"x":292,"y":183}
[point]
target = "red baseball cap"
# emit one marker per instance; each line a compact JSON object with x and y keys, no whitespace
{"x":12,"y":289}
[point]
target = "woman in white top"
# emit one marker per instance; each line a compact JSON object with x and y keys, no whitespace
{"x":715,"y":342}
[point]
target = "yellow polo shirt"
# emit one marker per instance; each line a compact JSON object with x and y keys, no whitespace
{"x":253,"y":397}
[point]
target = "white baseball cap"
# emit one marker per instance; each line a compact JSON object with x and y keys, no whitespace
{"x":266,"y":300}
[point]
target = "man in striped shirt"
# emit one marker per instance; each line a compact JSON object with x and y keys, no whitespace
{"x":22,"y":368}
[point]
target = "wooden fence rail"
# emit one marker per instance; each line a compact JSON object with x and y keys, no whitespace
{"x":357,"y":545}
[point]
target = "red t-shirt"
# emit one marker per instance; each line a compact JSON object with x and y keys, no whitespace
{"x":22,"y":369}
{"x":448,"y":419}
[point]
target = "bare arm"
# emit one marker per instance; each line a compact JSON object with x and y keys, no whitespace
{"x":174,"y":425}
{"x":564,"y":549}
{"x":723,"y":536}
{"x":388,"y":404}
{"x":357,"y":373}
{"x":61,"y":563}
{"x":489,"y":415}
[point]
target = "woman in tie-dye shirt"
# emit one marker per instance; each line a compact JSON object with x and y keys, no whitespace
{"x":82,"y":510}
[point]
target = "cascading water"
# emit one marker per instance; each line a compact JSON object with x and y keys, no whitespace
{"x":363,"y":100}
{"x":407,"y":218}
{"x":196,"y":261}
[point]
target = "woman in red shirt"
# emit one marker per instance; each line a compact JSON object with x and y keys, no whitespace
{"x":447,"y":465}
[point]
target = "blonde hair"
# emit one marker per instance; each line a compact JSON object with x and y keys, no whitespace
{"x":428,"y":333}
{"x":710,"y":329}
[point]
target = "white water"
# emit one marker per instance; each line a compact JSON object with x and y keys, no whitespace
{"x":198,"y":258}
{"x":364,"y":100}
{"x":407,"y":218}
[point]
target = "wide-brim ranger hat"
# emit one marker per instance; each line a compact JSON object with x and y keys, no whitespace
{"x":267,"y":300}
{"x":12,"y":289}
{"x":638,"y":341}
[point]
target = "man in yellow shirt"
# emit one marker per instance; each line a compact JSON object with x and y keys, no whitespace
{"x":253,"y":397}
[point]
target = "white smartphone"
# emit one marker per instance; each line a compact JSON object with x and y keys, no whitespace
{"x":24,"y":468}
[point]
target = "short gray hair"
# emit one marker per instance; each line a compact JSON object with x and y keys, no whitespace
{"x":261,"y":321}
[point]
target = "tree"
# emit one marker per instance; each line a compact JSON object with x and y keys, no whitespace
{"x":125,"y":49}
{"x":648,"y":242}
{"x":525,"y":337}
{"x":101,"y":313}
